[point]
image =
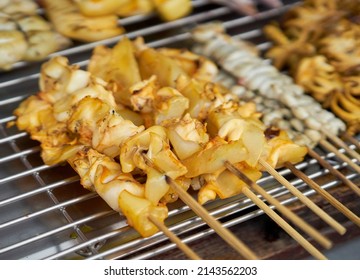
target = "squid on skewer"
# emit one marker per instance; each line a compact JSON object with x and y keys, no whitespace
{"x":242,"y":61}
{"x":167,"y":9}
{"x":179,"y":145}
{"x":277,"y":114}
{"x":102,"y":174}
{"x":68,"y":21}
{"x":74,"y":118}
{"x":318,"y":41}
{"x":24,"y":35}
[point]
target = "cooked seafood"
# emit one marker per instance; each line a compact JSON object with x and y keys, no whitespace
{"x":76,"y":119}
{"x":318,"y":42}
{"x":13,"y":47}
{"x":26,"y":36}
{"x":258,"y":75}
{"x":167,"y":9}
{"x":172,"y":9}
{"x":70,"y":22}
{"x":99,"y":8}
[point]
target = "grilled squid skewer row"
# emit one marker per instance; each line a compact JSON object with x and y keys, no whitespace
{"x":98,"y":172}
{"x":242,"y":61}
{"x":277,"y":115}
{"x":214,"y":179}
{"x":74,"y":118}
{"x":74,"y":110}
{"x":83,"y":112}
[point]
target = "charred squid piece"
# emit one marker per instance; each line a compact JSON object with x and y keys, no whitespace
{"x":167,"y":9}
{"x":36,"y":116}
{"x":25,"y":35}
{"x":100,"y":126}
{"x":64,"y":85}
{"x":71,"y":23}
{"x":118,"y":67}
{"x":103,"y":175}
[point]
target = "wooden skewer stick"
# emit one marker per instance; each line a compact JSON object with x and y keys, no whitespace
{"x":340,"y":155}
{"x":181,"y":245}
{"x":198,"y":209}
{"x":317,"y":210}
{"x":316,"y":235}
{"x":342,"y":144}
{"x":273,"y":215}
{"x":334,"y":171}
{"x":332,"y":200}
{"x":351,"y":139}
{"x":223,"y":232}
{"x":290,"y":230}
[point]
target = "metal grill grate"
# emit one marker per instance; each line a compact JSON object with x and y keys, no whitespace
{"x":46,"y":214}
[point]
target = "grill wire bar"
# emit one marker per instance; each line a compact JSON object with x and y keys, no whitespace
{"x":44,"y":211}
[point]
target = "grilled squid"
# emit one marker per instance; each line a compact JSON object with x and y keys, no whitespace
{"x":76,"y":119}
{"x":167,"y":9}
{"x":318,"y":41}
{"x":258,"y":75}
{"x":13,"y":47}
{"x":68,"y":21}
{"x":24,"y":35}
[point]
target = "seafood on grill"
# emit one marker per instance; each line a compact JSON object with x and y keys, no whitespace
{"x":24,"y":35}
{"x":70,"y":22}
{"x":167,"y":9}
{"x":263,"y":79}
{"x":318,"y":42}
{"x":77,"y":119}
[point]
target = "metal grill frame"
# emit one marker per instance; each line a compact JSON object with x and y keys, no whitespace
{"x":44,"y":211}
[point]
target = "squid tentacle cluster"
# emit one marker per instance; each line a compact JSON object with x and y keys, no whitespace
{"x":318,"y":42}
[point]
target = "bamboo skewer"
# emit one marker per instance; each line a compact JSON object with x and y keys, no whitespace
{"x":351,"y":139}
{"x":272,"y":214}
{"x":181,"y":245}
{"x":317,"y":236}
{"x":332,"y":200}
{"x":341,"y":156}
{"x":223,"y":232}
{"x":342,"y":144}
{"x":291,"y":231}
{"x":334,"y":171}
{"x":317,"y":210}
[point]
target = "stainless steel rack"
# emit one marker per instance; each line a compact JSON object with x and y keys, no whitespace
{"x":44,"y":211}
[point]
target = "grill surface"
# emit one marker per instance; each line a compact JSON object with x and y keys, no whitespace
{"x":44,"y":211}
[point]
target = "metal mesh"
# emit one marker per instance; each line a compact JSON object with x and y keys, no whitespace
{"x":44,"y":211}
